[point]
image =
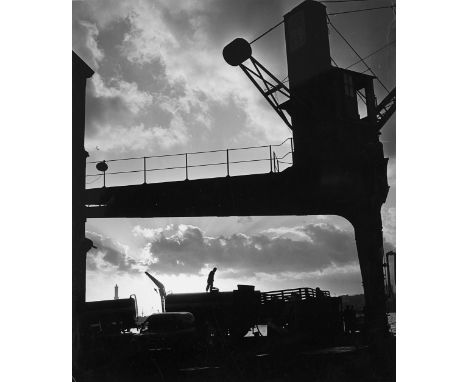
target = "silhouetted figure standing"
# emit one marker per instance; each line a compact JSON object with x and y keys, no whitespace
{"x":210,"y":281}
{"x":319,"y":293}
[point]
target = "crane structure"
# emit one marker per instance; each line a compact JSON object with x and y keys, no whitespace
{"x":338,"y":168}
{"x":160,"y":289}
{"x":333,"y":145}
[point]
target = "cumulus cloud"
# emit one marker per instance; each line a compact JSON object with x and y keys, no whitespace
{"x":147,"y":233}
{"x":147,"y":39}
{"x":113,"y":102}
{"x":111,"y":107}
{"x":128,"y":92}
{"x":85,"y":42}
{"x":109,"y":256}
{"x":293,"y":233}
{"x":138,"y":137}
{"x":311,"y":254}
{"x":185,"y":249}
{"x":183,"y":41}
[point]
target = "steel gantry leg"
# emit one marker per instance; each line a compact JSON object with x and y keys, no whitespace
{"x":369,"y":242}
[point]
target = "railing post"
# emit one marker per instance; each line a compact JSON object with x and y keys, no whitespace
{"x":227,"y":161}
{"x":144,"y":170}
{"x":271,"y":161}
{"x":186,"y":166}
{"x":292,"y":150}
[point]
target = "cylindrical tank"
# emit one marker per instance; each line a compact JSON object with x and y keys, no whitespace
{"x":237,"y":51}
{"x":235,"y":311}
{"x":116,"y":314}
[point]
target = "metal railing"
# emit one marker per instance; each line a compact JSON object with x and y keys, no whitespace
{"x":189,"y":163}
{"x":291,"y":294}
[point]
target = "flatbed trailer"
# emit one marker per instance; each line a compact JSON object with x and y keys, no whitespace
{"x":286,"y":311}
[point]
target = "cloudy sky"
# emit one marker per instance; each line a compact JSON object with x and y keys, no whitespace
{"x":161,"y":86}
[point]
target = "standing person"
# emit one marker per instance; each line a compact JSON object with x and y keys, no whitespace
{"x":319,"y":293}
{"x":209,"y":282}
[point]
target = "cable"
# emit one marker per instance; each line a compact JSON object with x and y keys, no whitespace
{"x":363,"y":99}
{"x":95,"y":180}
{"x":329,"y":14}
{"x":334,"y":62}
{"x":371,"y":54}
{"x":268,"y":31}
{"x":357,"y":54}
{"x":359,"y":10}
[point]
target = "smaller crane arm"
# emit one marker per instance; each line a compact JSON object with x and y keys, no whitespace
{"x":386,"y":108}
{"x":161,"y":288}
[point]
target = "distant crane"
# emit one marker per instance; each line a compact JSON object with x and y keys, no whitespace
{"x":161,"y":290}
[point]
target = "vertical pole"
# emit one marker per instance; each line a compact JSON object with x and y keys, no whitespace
{"x":368,"y":233}
{"x":271,"y":161}
{"x":387,"y":270}
{"x":104,"y":179}
{"x":186,"y":166}
{"x":292,"y":150}
{"x":80,"y":72}
{"x":144,"y":170}
{"x":227,"y":161}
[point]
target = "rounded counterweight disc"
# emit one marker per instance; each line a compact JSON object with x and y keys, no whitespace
{"x":237,"y":51}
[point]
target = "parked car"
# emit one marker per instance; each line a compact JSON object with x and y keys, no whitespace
{"x":168,"y":331}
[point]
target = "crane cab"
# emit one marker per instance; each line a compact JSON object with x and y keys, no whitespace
{"x":332,"y":110}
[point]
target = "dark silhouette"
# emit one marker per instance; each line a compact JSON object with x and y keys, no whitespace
{"x":210,"y":281}
{"x":80,"y":244}
{"x":349,"y":319}
{"x":342,"y":172}
{"x":337,"y":168}
{"x":319,"y":293}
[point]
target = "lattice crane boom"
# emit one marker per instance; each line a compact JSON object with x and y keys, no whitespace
{"x":239,"y":51}
{"x":385,"y":109}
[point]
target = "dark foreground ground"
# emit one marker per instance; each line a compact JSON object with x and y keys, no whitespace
{"x":251,"y":359}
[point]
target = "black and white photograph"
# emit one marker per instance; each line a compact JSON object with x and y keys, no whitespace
{"x":233,"y":190}
{"x":207,"y":191}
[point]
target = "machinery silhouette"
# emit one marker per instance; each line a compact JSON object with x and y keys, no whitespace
{"x":338,"y":167}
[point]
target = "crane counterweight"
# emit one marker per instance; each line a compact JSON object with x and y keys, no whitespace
{"x":237,"y":51}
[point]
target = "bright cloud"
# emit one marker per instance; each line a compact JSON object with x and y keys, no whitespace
{"x":109,"y":256}
{"x":179,"y":39}
{"x":186,"y":249}
{"x":133,"y":98}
